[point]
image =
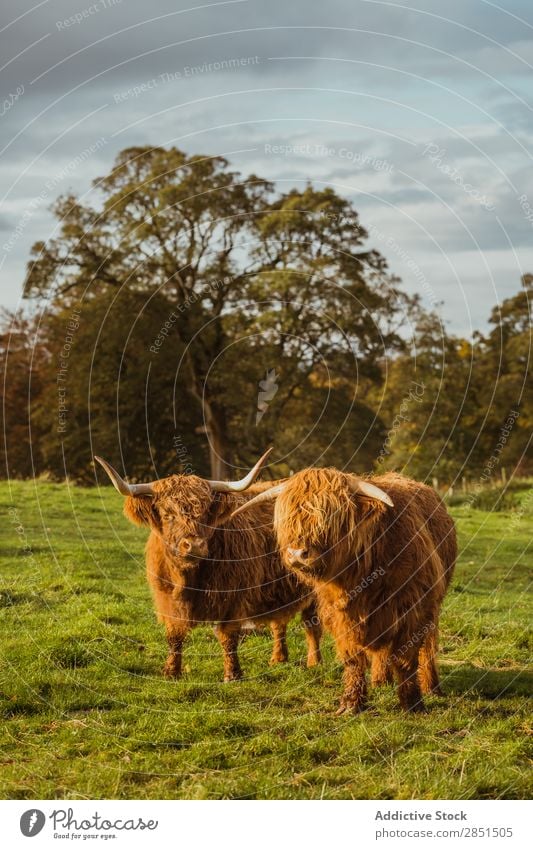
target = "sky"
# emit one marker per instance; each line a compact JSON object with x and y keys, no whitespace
{"x":419,"y":112}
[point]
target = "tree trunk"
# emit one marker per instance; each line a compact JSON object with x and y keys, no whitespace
{"x":215,"y":429}
{"x":219,"y":451}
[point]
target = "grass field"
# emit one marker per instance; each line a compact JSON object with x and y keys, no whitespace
{"x":86,"y":713}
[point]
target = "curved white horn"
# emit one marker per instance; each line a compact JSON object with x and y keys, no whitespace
{"x":369,"y":489}
{"x":240,"y":486}
{"x":266,"y":495}
{"x":127,"y":489}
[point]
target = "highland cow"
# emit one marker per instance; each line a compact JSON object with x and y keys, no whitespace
{"x":380,"y":555}
{"x":204,"y":567}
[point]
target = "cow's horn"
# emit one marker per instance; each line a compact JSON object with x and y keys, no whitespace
{"x":120,"y":484}
{"x":369,"y":489}
{"x":240,"y":486}
{"x":266,"y":495}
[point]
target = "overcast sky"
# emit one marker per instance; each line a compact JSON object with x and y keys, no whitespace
{"x":420,"y":112}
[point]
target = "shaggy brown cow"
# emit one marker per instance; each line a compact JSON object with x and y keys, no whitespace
{"x":380,"y":555}
{"x":204,"y":567}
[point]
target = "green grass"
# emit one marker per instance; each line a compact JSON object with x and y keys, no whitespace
{"x":516,"y":494}
{"x":86,"y":713}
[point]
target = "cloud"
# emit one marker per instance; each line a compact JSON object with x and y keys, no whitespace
{"x":372,"y":79}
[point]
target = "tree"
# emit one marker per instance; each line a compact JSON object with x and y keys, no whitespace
{"x":429,"y":405}
{"x":463,"y":420}
{"x":254,"y":281}
{"x":22,"y":364}
{"x":104,"y":392}
{"x":505,"y":376}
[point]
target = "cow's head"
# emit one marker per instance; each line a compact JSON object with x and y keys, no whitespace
{"x":183,"y":509}
{"x":321,"y":518}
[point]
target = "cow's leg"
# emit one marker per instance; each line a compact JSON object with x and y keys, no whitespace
{"x":381,"y":667}
{"x":228,"y":637}
{"x":354,"y":697}
{"x":280,"y":652}
{"x":353,"y":656}
{"x":176,"y":635}
{"x":428,"y":673}
{"x":176,"y":629}
{"x":406,"y":671}
{"x":313,"y":634}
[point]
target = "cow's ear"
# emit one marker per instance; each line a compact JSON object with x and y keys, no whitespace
{"x":220,"y":509}
{"x":142,"y":510}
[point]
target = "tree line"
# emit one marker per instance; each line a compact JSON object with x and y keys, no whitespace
{"x":190,"y":316}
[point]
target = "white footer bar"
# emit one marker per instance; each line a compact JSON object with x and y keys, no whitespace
{"x":267,"y":825}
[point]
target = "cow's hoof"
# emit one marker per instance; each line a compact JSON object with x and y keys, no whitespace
{"x":235,"y":676}
{"x":416,"y":707}
{"x":350,"y":707}
{"x":170,"y":671}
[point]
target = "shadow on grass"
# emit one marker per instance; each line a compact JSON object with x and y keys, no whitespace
{"x":471,"y":682}
{"x":11,"y":551}
{"x":9,"y":598}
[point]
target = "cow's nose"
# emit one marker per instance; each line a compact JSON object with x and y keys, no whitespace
{"x":193,"y":547}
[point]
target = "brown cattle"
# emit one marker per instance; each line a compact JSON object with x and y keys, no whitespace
{"x":203,"y":566}
{"x":380,"y":554}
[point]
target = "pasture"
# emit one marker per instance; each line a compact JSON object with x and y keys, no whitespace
{"x":87,"y":714}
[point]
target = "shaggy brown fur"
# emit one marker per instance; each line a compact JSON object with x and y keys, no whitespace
{"x":203,"y":566}
{"x":380,"y":573}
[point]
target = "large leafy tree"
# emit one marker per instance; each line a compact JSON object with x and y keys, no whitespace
{"x":115,"y":396}
{"x":450,"y":404}
{"x":430,"y":406}
{"x":504,"y":373}
{"x":253,"y":281}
